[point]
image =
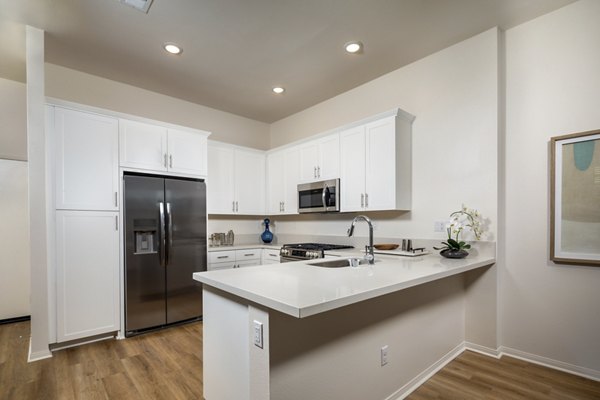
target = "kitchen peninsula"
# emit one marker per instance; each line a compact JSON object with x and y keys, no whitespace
{"x":298,"y":331}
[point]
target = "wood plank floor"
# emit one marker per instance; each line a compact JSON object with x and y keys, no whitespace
{"x":168,"y":365}
{"x":472,"y":376}
{"x":160,"y":365}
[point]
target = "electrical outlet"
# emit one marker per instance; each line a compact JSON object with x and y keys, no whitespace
{"x":384,"y":355}
{"x":258,"y":334}
{"x":439,"y":226}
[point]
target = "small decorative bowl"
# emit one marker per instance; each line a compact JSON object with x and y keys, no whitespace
{"x":386,"y":246}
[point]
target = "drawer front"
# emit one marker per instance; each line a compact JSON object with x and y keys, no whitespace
{"x":249,"y":254}
{"x":221,"y":256}
{"x":270,"y":255}
{"x":223,"y":265}
{"x":249,"y":263}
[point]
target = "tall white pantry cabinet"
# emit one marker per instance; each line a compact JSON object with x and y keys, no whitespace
{"x":86,"y":161}
{"x":85,"y":153}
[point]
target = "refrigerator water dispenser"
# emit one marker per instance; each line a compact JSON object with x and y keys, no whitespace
{"x":144,"y":242}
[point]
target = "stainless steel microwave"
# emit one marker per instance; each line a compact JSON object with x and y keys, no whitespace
{"x":319,"y":197}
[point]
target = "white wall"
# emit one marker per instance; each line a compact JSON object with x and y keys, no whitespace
{"x":13,"y":130}
{"x":14,"y":240}
{"x":553,"y":88}
{"x":454,"y":96}
{"x":68,"y":84}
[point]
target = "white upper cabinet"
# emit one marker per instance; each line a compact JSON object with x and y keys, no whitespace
{"x":376,"y":165}
{"x":283,"y":176}
{"x":320,"y":159}
{"x":156,"y":148}
{"x":236,"y":180}
{"x":187,"y":152}
{"x":143,"y":146}
{"x":87,"y":160}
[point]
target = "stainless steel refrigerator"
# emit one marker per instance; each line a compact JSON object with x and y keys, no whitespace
{"x":165,"y":243}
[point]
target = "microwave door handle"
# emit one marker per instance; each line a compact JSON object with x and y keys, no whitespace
{"x":324,"y":194}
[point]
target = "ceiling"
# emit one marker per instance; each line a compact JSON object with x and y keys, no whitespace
{"x":235,"y":51}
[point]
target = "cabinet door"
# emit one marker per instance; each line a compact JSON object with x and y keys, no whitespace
{"x":291,"y":180}
{"x":276,"y":182}
{"x":329,"y":157}
{"x":309,"y":161}
{"x":187,"y":152}
{"x":249,"y":182}
{"x":87,"y":280}
{"x":352,"y":180}
{"x":380,"y":165}
{"x":87,"y":161}
{"x":220,"y":182}
{"x":143,"y":146}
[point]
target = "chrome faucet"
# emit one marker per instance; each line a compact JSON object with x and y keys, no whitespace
{"x":369,"y":256}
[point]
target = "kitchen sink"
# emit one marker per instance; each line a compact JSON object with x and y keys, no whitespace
{"x":339,"y":263}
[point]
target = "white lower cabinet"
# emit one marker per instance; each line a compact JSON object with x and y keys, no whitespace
{"x":87,"y":274}
{"x":226,"y":259}
{"x":270,"y":256}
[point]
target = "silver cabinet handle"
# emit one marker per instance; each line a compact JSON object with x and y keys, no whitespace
{"x":248,"y":255}
{"x":165,"y":160}
{"x":283,"y":206}
{"x":318,"y":172}
{"x":116,"y":223}
{"x":274,"y":255}
{"x":366,"y":200}
{"x":314,"y":172}
{"x":362,"y":200}
{"x":223,"y":257}
{"x":237,"y":207}
{"x":116,"y":199}
{"x":163,"y":236}
{"x":233,"y":206}
{"x":170,"y":160}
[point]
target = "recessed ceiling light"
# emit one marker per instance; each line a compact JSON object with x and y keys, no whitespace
{"x":278,"y":90}
{"x":172,"y":48}
{"x":353,"y":47}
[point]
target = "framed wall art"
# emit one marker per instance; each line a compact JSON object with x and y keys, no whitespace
{"x":575,"y":199}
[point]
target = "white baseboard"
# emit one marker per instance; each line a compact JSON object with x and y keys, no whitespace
{"x":417,"y":381}
{"x":550,"y":363}
{"x":38,"y":355}
{"x":486,"y":351}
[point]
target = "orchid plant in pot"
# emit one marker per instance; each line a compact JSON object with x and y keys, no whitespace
{"x":459,"y":220}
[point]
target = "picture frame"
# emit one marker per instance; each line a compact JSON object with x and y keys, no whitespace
{"x":575,"y":199}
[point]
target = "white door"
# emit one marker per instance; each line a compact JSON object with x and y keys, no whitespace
{"x":87,"y":273}
{"x":220,"y":182}
{"x":291,"y":179}
{"x":143,"y":146}
{"x":352,"y":179}
{"x":275,"y":182}
{"x":187,"y":152}
{"x":329,"y":157}
{"x":249,"y":182}
{"x":309,"y":161}
{"x":380,"y":164}
{"x":87,"y":161}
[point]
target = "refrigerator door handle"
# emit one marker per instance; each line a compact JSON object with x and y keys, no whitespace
{"x":163,"y":236}
{"x":169,"y":233}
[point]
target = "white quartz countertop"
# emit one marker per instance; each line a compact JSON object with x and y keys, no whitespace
{"x":301,"y":290}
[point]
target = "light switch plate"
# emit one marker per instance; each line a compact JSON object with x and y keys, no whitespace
{"x":258,"y":334}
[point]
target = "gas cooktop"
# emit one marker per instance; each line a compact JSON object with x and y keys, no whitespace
{"x":318,"y":246}
{"x":307,"y":251}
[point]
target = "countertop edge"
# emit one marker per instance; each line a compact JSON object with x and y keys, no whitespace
{"x":306,"y":311}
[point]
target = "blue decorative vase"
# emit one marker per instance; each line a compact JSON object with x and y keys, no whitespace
{"x":267,"y":236}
